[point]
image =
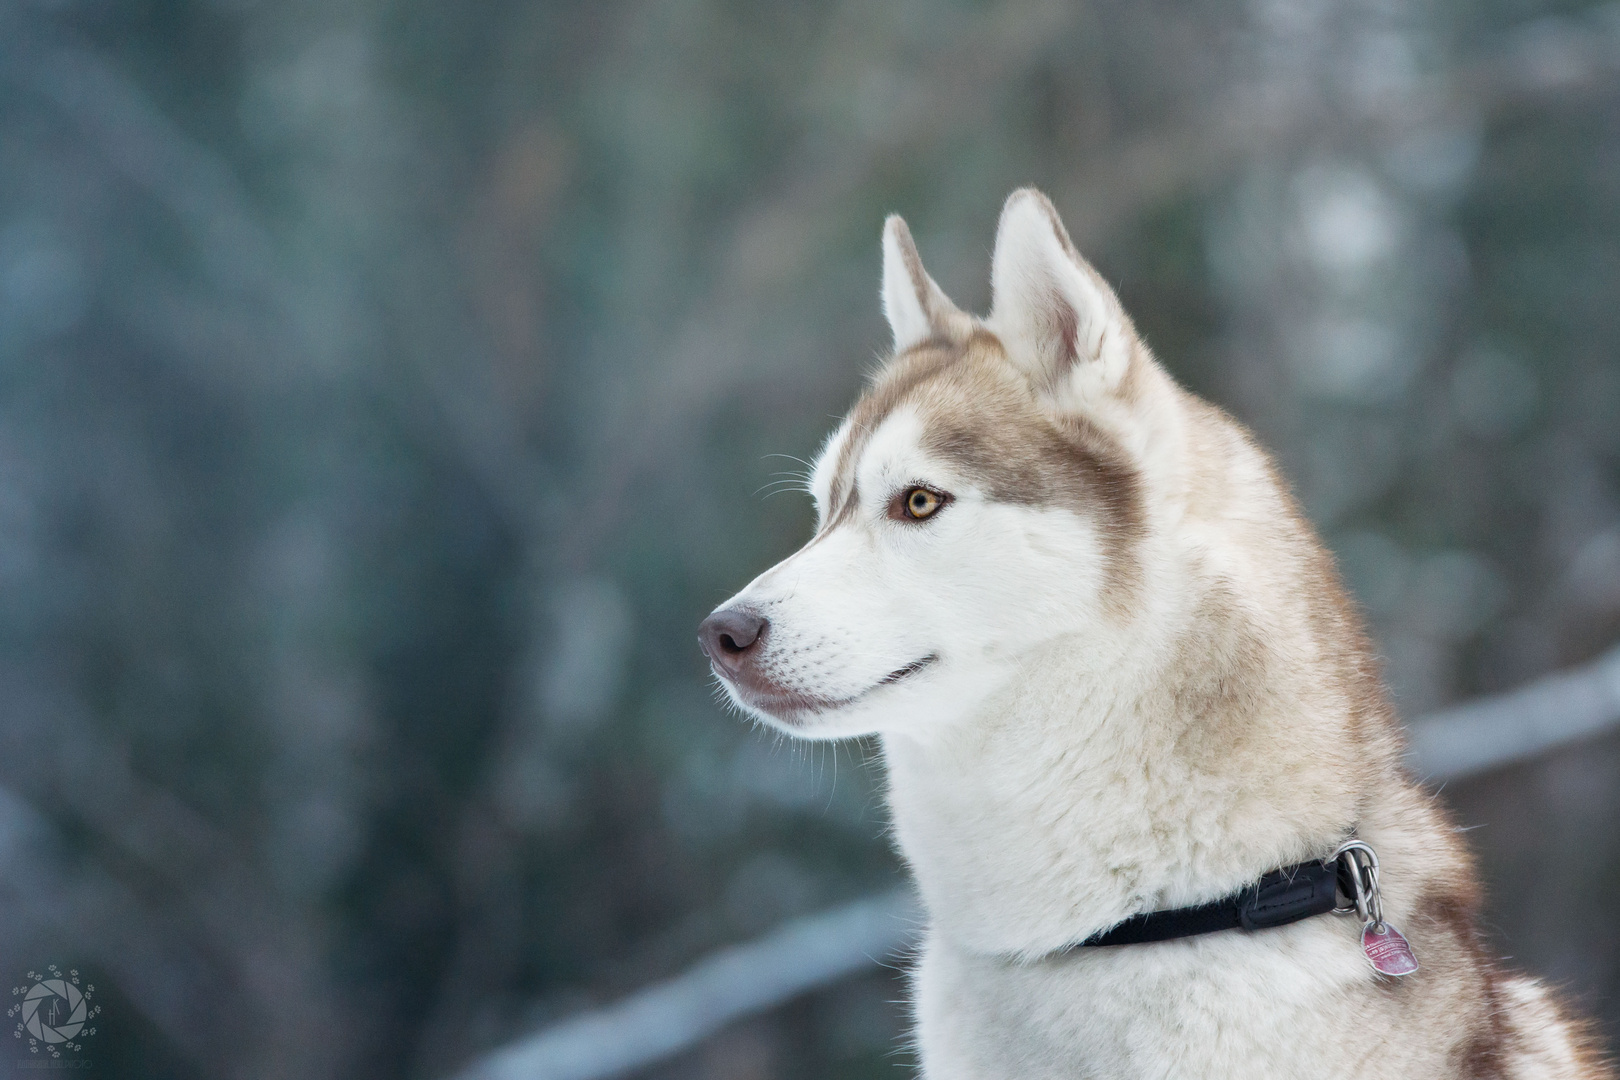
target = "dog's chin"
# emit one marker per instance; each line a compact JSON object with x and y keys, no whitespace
{"x":813,"y":716}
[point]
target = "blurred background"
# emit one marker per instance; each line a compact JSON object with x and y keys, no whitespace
{"x":388,"y":387}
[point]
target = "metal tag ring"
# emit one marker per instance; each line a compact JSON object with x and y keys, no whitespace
{"x":1363,"y":861}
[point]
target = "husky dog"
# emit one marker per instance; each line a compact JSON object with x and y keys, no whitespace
{"x":1113,"y":673}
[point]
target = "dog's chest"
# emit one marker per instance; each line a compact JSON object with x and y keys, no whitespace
{"x":1215,"y":1008}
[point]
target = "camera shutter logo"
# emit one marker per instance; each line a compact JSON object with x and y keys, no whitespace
{"x":55,"y":1011}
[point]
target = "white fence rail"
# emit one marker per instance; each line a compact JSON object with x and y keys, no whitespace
{"x":822,"y":949}
{"x":1490,"y":732}
{"x":653,"y":1023}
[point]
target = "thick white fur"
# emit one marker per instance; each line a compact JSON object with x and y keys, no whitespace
{"x":1047,"y":776}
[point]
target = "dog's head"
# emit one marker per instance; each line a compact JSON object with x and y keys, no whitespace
{"x":983,"y":499}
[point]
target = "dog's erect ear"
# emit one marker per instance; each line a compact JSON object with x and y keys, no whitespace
{"x":916,"y":307}
{"x":1055,"y":315}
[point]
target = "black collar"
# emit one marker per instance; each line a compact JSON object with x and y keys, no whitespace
{"x":1281,"y":897}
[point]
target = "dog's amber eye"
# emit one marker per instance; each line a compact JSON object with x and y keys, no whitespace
{"x":918,"y":503}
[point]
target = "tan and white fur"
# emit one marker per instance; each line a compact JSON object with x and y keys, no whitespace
{"x":1113,"y":672}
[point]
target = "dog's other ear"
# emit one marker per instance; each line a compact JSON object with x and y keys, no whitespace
{"x":916,"y":307}
{"x":1055,"y":315}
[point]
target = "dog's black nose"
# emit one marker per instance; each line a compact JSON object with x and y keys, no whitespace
{"x":729,"y":638}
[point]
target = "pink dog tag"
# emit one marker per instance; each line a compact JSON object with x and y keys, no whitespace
{"x":1388,"y":951}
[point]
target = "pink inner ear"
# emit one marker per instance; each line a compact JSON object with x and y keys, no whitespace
{"x":1068,"y":330}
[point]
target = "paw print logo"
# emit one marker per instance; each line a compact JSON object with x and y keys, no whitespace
{"x":54,"y":1011}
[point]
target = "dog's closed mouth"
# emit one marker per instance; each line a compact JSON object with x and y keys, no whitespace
{"x":793,"y":706}
{"x":908,"y":671}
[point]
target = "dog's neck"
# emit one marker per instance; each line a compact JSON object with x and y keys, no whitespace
{"x":1084,"y":793}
